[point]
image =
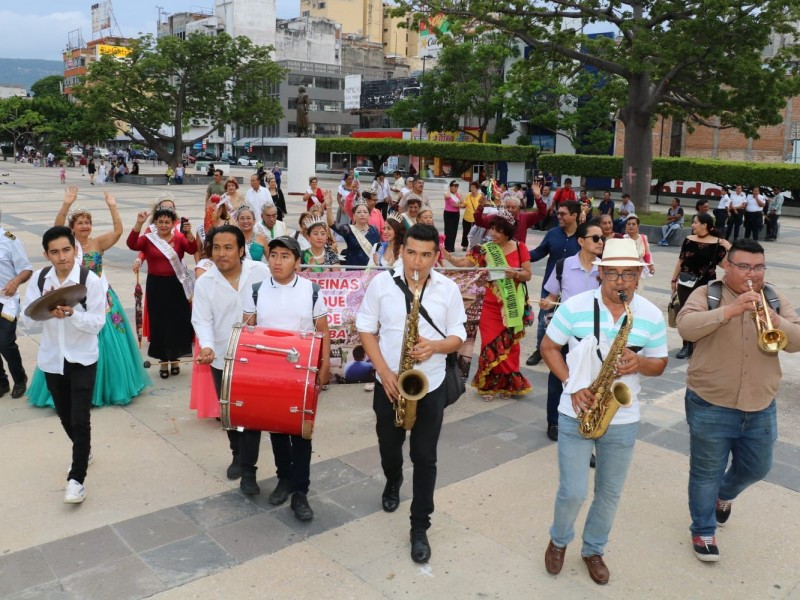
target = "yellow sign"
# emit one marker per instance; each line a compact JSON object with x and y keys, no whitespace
{"x":118,"y":51}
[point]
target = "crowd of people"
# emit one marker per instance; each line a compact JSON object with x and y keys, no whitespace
{"x":247,"y":269}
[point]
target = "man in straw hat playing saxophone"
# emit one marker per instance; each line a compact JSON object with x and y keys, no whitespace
{"x":730,"y":403}
{"x":590,"y":322}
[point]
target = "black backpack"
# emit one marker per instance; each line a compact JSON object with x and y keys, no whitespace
{"x":715,"y":296}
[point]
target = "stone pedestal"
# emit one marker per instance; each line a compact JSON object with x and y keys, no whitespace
{"x":301,"y":164}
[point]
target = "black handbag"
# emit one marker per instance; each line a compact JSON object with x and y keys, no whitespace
{"x":454,"y":383}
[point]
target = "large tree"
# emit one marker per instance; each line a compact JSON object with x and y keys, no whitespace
{"x":19,"y":122}
{"x":461,"y":92}
{"x":167,"y":86}
{"x":693,"y":59}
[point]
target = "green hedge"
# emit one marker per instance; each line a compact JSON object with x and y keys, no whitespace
{"x":447,"y":150}
{"x":684,"y":169}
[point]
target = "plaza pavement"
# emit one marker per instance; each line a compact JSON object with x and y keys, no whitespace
{"x":161,"y":520}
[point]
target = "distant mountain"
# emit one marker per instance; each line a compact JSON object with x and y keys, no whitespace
{"x":26,"y":71}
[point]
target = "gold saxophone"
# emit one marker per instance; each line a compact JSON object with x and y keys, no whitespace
{"x":412,"y":383}
{"x":610,"y":394}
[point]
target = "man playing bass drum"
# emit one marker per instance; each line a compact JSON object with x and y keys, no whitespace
{"x":591,"y":323}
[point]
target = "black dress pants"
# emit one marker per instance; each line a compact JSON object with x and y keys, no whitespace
{"x":424,"y":440}
{"x":10,"y":351}
{"x":752,"y":224}
{"x":242,"y":443}
{"x":72,"y":396}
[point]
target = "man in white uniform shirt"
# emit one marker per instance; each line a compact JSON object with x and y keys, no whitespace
{"x":257,"y":197}
{"x":15,"y":269}
{"x":754,"y":213}
{"x":382,"y":311}
{"x":736,"y":212}
{"x":721,"y":212}
{"x":382,"y":193}
{"x":289,"y":302}
{"x":217,"y":306}
{"x":69,"y":350}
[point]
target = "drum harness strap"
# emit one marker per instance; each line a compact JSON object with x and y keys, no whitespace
{"x":83,"y":277}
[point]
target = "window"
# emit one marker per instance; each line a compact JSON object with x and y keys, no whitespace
{"x":329,"y":83}
{"x":297,"y":79}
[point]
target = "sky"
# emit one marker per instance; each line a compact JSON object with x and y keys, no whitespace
{"x":39,"y":28}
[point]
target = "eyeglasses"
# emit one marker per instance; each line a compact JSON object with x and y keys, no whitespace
{"x":626,"y":275}
{"x":745,"y":268}
{"x":595,"y":238}
{"x":562,"y":213}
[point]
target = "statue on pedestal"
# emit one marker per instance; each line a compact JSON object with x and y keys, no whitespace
{"x":302,"y":112}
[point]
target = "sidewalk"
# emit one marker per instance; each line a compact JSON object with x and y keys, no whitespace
{"x":162,"y":521}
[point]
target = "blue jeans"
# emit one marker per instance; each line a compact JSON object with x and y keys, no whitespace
{"x":717,"y":433}
{"x":614,"y":452}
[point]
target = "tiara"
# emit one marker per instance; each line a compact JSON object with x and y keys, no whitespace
{"x":394,"y":216}
{"x":74,"y":213}
{"x":359,"y":202}
{"x":502,"y":212}
{"x":312,"y":221}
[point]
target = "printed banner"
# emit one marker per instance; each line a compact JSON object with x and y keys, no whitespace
{"x":343,"y":292}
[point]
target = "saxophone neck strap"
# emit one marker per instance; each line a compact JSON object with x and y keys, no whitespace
{"x":410,"y":298}
{"x":597,"y":330}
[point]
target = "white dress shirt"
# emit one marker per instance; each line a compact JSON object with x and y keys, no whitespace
{"x":257,"y":199}
{"x":287,"y":307}
{"x":383,"y":308}
{"x":73,"y":338}
{"x":752,"y":204}
{"x":216,"y":306}
{"x":738,"y":200}
{"x":277,"y":231}
{"x":724,"y":202}
{"x":13,"y":261}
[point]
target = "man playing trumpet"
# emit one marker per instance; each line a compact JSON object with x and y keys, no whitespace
{"x":730,"y":403}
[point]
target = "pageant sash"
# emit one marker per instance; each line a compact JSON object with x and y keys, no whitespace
{"x":169,"y":253}
{"x":362,"y":240}
{"x":511,"y":295}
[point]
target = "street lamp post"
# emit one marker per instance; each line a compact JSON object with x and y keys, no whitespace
{"x":421,"y":123}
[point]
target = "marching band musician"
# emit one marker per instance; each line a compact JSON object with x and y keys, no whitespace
{"x":68,"y":351}
{"x":15,"y":269}
{"x":217,"y":306}
{"x":730,"y":404}
{"x":441,"y":299}
{"x":596,"y":318}
{"x":289,"y":302}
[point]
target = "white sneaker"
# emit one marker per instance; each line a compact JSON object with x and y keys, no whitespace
{"x":75,"y":492}
{"x":91,"y":460}
{"x":369,"y":387}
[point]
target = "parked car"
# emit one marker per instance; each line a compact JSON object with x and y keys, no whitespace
{"x":365,"y":170}
{"x":246,"y":161}
{"x":140,"y":154}
{"x":75,"y":151}
{"x":228,"y":160}
{"x":152,"y":155}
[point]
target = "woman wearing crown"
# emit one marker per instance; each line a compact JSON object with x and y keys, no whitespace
{"x":320,"y":251}
{"x":120,"y":375}
{"x":501,"y":324}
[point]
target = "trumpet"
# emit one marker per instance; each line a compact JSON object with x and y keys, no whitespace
{"x":770,"y":339}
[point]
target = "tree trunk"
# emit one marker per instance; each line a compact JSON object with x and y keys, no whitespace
{"x":637,"y":163}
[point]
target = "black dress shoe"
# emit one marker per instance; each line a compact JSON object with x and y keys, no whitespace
{"x":593,"y":462}
{"x":302,"y":511}
{"x":281,"y":493}
{"x":234,"y":469}
{"x":420,"y":548}
{"x":391,"y":495}
{"x":552,"y":432}
{"x":534,"y":359}
{"x":19,"y":389}
{"x":4,"y":389}
{"x":683,"y":352}
{"x":249,"y":485}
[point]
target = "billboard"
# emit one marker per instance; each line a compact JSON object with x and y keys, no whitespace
{"x":352,"y":92}
{"x":384,"y":93}
{"x":118,"y":51}
{"x":101,"y":16}
{"x":429,"y":30}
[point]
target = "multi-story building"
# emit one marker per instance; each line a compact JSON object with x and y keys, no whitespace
{"x":360,"y":17}
{"x":78,"y":56}
{"x":10,"y":90}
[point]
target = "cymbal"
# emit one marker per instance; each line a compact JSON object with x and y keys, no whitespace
{"x":39,"y":310}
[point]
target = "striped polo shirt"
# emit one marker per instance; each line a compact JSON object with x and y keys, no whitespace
{"x":574,"y":320}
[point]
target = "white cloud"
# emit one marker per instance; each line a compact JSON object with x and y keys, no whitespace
{"x":39,"y":36}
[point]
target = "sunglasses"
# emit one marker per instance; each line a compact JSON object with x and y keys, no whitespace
{"x":595,"y":238}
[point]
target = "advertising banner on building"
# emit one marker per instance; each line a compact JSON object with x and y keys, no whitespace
{"x":352,"y":92}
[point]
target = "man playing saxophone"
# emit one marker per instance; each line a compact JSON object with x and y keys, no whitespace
{"x":604,"y":346}
{"x":384,"y":312}
{"x":730,"y":403}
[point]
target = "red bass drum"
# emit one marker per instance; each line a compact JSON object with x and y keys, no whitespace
{"x":269,"y":380}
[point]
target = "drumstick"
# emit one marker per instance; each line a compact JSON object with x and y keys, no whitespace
{"x":147,"y":364}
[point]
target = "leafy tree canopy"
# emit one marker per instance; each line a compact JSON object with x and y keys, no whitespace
{"x":168,"y":85}
{"x":693,"y":59}
{"x":463,"y":88}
